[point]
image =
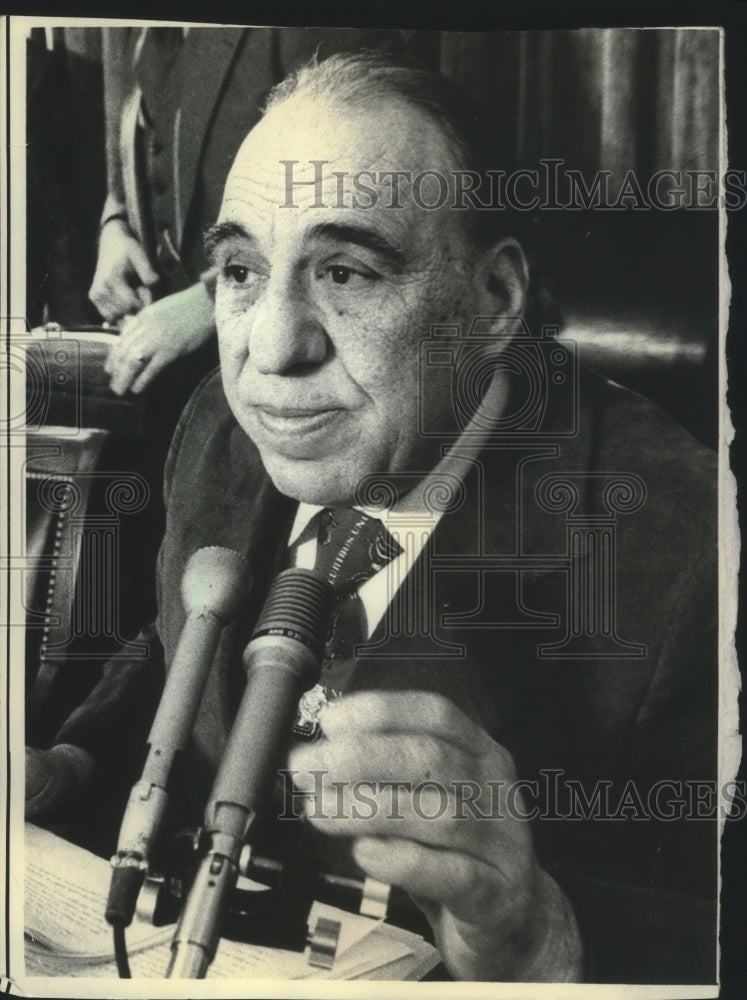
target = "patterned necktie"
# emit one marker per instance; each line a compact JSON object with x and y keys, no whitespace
{"x":351,"y":548}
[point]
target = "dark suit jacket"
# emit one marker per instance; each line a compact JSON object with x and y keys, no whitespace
{"x":632,"y":702}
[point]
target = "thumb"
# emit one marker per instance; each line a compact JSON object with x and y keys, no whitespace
{"x":144,"y":295}
{"x":55,"y":777}
{"x":142,"y":265}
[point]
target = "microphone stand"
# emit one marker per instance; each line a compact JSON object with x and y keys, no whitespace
{"x":215,"y":586}
{"x":276,"y":916}
{"x":282,"y":660}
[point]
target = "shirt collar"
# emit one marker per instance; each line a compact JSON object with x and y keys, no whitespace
{"x":304,"y":514}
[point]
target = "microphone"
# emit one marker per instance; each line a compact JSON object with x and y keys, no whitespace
{"x":215,"y":586}
{"x":282,"y":660}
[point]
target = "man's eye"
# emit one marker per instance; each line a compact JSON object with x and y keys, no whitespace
{"x":344,"y":274}
{"x":340,"y":275}
{"x":236,"y":273}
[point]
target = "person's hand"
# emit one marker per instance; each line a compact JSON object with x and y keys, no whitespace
{"x":55,"y":779}
{"x":494,"y":912}
{"x":121,"y":284}
{"x":158,"y":335}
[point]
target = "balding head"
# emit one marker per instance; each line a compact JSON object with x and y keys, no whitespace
{"x":325,"y":298}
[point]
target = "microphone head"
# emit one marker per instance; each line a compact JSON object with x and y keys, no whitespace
{"x":298,"y":607}
{"x":217,"y":580}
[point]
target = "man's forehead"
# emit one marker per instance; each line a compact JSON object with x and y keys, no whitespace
{"x":342,"y":147}
{"x":308,"y":125}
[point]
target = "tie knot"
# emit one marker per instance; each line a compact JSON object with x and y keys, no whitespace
{"x":351,"y":547}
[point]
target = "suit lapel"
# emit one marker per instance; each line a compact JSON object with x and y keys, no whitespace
{"x":212,"y":51}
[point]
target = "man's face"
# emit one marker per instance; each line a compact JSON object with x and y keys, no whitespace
{"x":321,"y":309}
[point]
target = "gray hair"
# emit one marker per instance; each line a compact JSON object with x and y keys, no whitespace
{"x":471,"y":136}
{"x":367,"y":76}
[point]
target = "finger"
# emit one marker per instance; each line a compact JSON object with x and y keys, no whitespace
{"x":425,"y":788}
{"x":104,"y":303}
{"x":427,"y":812}
{"x":156,"y":364}
{"x":127,"y":327}
{"x":39,"y":774}
{"x":115,"y":299}
{"x":132,"y":344}
{"x":53,"y":776}
{"x":465,"y":886}
{"x":119,"y":352}
{"x":407,"y":712}
{"x":361,"y":756}
{"x":461,"y":815}
{"x":130,"y":327}
{"x":124,"y":374}
{"x":145,"y":296}
{"x":142,"y":265}
{"x":103,"y":307}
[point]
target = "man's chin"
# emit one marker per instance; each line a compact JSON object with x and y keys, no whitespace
{"x":325,"y":482}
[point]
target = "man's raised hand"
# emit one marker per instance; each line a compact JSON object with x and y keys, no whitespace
{"x":396,"y":766}
{"x":124,"y":275}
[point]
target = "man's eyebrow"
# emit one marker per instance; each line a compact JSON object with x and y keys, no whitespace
{"x":219,"y":233}
{"x":361,"y":236}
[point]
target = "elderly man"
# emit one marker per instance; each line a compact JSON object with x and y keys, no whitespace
{"x":537,"y":719}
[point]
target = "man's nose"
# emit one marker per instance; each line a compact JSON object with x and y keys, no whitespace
{"x":285,"y":334}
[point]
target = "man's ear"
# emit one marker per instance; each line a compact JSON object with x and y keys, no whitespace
{"x":502,"y":280}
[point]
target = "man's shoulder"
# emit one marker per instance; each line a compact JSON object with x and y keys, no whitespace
{"x":628,"y":432}
{"x":599,"y":439}
{"x":626,"y":469}
{"x":660,"y":487}
{"x":628,"y":411}
{"x":207,"y":404}
{"x":209,"y":451}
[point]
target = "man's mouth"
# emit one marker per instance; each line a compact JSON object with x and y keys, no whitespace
{"x":293,"y":421}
